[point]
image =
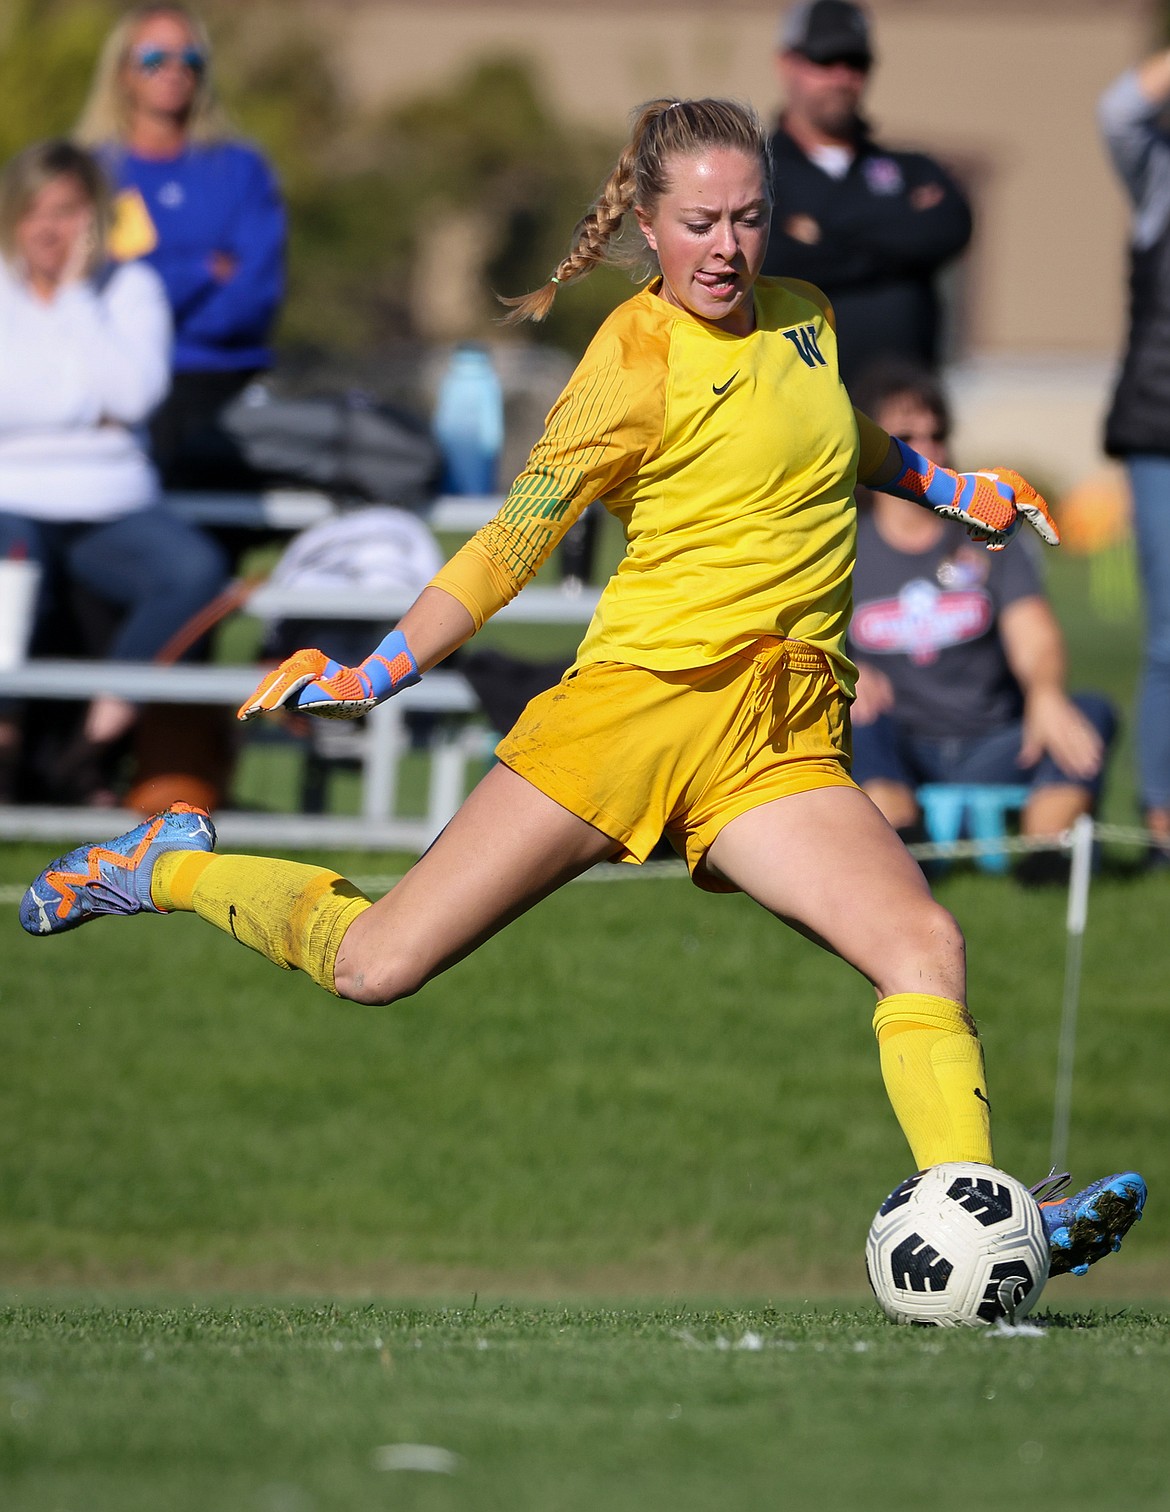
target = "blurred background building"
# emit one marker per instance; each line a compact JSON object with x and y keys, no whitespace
{"x":436,"y":150}
{"x":1003,"y":92}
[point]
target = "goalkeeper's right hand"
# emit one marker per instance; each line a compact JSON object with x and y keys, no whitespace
{"x":314,"y":683}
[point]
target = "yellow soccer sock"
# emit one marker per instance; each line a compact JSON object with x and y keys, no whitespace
{"x":172,"y":882}
{"x":296,"y":915}
{"x":932,"y":1065}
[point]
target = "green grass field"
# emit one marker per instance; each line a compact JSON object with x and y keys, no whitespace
{"x":642,"y":1121}
{"x":311,"y":1408}
{"x":587,"y":1214}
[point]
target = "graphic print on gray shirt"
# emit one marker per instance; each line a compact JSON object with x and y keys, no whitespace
{"x":928,"y":620}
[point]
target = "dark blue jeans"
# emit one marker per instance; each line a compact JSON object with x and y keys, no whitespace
{"x":886,"y":750}
{"x":153,"y":566}
{"x":1149,"y":479}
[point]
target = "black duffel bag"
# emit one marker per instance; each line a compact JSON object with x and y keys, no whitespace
{"x":346,"y":444}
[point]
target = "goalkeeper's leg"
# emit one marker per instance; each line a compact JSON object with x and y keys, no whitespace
{"x":827,"y":862}
{"x":507,"y":847}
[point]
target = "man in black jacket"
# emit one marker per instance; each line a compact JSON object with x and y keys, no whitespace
{"x":870,"y":227}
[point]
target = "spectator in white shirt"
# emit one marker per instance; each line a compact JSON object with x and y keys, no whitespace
{"x":84,"y":359}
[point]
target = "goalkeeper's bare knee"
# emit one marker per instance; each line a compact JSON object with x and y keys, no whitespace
{"x":928,"y":947}
{"x":377,"y":978}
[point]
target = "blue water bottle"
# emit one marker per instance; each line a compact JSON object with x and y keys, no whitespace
{"x":469,"y":422}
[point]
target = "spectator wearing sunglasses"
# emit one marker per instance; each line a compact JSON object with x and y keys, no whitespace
{"x":960,"y":659}
{"x":870,"y":226}
{"x":201,"y":207}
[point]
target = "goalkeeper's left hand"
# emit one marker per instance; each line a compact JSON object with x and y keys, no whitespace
{"x":991,"y":504}
{"x":313,"y":683}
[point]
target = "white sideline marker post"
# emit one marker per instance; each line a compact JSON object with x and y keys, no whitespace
{"x":1081,"y":848}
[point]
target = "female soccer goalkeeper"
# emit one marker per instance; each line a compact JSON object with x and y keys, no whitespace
{"x":710,"y":695}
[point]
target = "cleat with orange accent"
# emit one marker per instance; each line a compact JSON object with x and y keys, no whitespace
{"x":113,"y":878}
{"x":1091,"y":1224}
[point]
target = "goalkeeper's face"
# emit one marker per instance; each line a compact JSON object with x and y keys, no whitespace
{"x":710,"y":231}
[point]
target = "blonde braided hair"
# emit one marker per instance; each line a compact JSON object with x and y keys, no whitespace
{"x":662,"y":129}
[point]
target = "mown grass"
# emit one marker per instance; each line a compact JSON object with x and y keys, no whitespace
{"x":306,"y":1408}
{"x":251,"y":1236}
{"x":636,"y":1090}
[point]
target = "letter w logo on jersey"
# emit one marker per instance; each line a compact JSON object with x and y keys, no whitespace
{"x":804,"y":339}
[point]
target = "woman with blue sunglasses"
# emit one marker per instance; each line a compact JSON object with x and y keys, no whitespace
{"x":199,"y":205}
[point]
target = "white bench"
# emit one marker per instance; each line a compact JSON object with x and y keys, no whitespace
{"x":569,"y":604}
{"x":295,"y":509}
{"x":384,"y":739}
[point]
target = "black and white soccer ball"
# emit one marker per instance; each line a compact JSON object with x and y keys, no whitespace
{"x":958,"y":1245}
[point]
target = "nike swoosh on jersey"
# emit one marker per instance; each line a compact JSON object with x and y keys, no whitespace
{"x":721,"y":388}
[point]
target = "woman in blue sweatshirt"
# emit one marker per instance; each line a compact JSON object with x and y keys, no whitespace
{"x":200,"y":206}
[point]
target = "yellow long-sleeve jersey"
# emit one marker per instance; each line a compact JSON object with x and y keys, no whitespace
{"x":731,"y":462}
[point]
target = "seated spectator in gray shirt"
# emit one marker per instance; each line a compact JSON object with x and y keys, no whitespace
{"x":961,"y":660}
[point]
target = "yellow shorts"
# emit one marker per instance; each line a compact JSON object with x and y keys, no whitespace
{"x":639,"y":753}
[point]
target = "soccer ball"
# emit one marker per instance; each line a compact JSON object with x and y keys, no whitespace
{"x":957,"y":1246}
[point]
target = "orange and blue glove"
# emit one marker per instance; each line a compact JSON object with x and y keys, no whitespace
{"x":313,"y":683}
{"x":991,"y":504}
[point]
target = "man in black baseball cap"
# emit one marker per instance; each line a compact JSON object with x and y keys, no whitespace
{"x":826,"y":31}
{"x":869,"y":226}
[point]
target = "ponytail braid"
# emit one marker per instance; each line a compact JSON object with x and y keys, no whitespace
{"x":591,"y":238}
{"x":662,"y":129}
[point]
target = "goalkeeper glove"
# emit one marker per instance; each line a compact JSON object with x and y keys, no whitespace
{"x":991,"y":504}
{"x":313,"y":683}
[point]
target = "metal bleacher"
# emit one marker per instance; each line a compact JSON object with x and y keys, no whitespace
{"x":456,"y":739}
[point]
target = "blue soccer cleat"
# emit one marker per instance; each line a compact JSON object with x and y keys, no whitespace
{"x":113,"y":878}
{"x":1091,"y":1223}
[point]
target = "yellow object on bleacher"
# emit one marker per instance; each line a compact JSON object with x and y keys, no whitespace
{"x":133,"y":233}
